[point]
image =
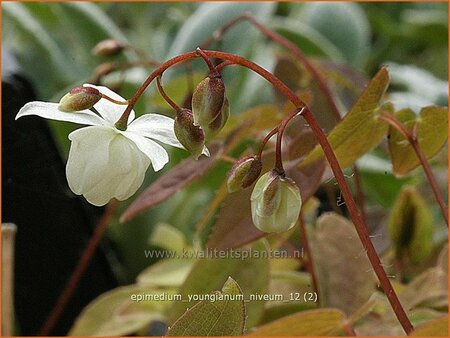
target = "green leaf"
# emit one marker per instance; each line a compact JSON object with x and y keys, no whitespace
{"x":168,"y":237}
{"x":432,"y":134}
{"x":212,"y":16}
{"x":361,"y":129}
{"x":208,"y":274}
{"x":166,"y":273}
{"x":321,"y":322}
{"x":310,"y":41}
{"x":433,"y":328}
{"x":91,"y":25}
{"x":411,"y":226}
{"x":341,"y":264}
{"x":344,"y":24}
{"x":420,"y":84}
{"x":54,"y":66}
{"x":118,"y":312}
{"x":222,"y":317}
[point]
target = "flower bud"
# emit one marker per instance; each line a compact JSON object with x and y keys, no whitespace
{"x":207,"y":100}
{"x":275,"y":202}
{"x":244,"y":173}
{"x":108,"y":47}
{"x":212,"y":129}
{"x":190,"y":136}
{"x":79,"y":98}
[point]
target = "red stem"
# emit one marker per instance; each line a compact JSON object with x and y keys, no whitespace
{"x":165,"y":96}
{"x":79,"y":270}
{"x":412,"y":139}
{"x":281,"y":128}
{"x":266,"y":139}
{"x":328,"y":151}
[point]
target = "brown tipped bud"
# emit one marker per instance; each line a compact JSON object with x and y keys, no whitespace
{"x":79,"y":98}
{"x":244,"y":173}
{"x":207,"y":100}
{"x":108,"y":47}
{"x":190,"y":136}
{"x":212,"y":129}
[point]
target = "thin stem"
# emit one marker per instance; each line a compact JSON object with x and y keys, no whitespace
{"x":328,"y":151}
{"x":165,"y":96}
{"x":359,"y":192}
{"x":265,"y":140}
{"x":212,"y":69}
{"x":110,"y":99}
{"x":79,"y":270}
{"x":281,"y":128}
{"x":309,"y":261}
{"x":8,"y":238}
{"x":411,"y":136}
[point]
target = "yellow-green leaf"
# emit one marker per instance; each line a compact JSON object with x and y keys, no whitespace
{"x":361,"y":129}
{"x":432,"y":134}
{"x":168,"y":237}
{"x":249,"y":266}
{"x":411,"y":225}
{"x":166,"y":273}
{"x":321,"y":322}
{"x":223,"y":315}
{"x":122,"y":311}
{"x":433,"y":328}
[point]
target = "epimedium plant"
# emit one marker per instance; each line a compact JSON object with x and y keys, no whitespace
{"x":292,"y":170}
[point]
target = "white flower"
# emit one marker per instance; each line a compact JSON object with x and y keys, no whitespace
{"x":105,"y":162}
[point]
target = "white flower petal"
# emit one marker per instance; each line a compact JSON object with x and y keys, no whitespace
{"x":50,"y":110}
{"x":160,"y":128}
{"x":206,"y":151}
{"x":128,"y":166}
{"x":156,"y":153}
{"x":110,"y":111}
{"x":88,"y":157}
{"x":104,"y":164}
{"x":157,"y":127}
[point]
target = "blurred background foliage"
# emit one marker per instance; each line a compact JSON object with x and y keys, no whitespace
{"x":53,"y":43}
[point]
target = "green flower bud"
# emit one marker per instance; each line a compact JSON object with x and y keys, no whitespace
{"x":244,"y":173}
{"x":212,"y":129}
{"x":108,"y":47}
{"x":275,"y":202}
{"x":207,"y":100}
{"x":190,"y":136}
{"x":79,"y":98}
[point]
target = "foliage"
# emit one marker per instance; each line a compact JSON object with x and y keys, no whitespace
{"x":185,"y":211}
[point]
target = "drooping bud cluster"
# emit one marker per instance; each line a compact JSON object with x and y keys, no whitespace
{"x":210,"y":106}
{"x":244,"y":173}
{"x":275,"y":203}
{"x":79,"y":98}
{"x":190,"y":136}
